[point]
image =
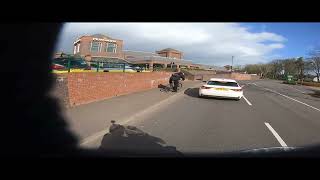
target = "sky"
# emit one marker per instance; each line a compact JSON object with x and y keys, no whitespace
{"x":206,"y":43}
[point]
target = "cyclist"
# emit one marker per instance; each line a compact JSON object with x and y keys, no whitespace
{"x":175,"y":78}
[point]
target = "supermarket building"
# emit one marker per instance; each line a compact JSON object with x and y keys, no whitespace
{"x":102,"y":48}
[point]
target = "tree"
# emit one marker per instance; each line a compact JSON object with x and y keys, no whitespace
{"x":300,"y":64}
{"x":227,"y":67}
{"x":276,"y":68}
{"x":237,"y":68}
{"x":290,"y":67}
{"x":315,"y":62}
{"x":265,"y":70}
{"x":252,"y":69}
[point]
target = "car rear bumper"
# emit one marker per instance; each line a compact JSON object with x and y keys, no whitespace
{"x":222,"y":94}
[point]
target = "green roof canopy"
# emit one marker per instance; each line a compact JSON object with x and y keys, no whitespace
{"x":109,"y":60}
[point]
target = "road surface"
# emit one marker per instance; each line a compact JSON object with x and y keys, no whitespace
{"x":271,"y":114}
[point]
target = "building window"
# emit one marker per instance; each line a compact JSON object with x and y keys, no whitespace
{"x":75,"y":49}
{"x":95,"y":46}
{"x":111,"y":47}
{"x":78,"y":49}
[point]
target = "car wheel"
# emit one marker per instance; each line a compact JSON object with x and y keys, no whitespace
{"x":238,"y":99}
{"x":200,"y":96}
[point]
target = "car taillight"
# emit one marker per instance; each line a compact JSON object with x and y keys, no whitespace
{"x":205,"y":87}
{"x":237,"y":89}
{"x":57,"y":66}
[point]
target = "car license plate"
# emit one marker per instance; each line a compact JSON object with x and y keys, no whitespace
{"x":221,"y":89}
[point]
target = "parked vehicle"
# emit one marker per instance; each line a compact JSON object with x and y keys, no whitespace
{"x":64,"y":63}
{"x":290,"y":80}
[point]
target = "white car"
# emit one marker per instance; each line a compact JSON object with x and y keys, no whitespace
{"x":224,"y":88}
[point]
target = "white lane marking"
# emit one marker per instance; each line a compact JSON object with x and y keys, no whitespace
{"x":138,"y":116}
{"x":253,"y":84}
{"x":247,"y":101}
{"x":303,"y":92}
{"x":291,"y":98}
{"x":93,"y":137}
{"x":276,"y":135}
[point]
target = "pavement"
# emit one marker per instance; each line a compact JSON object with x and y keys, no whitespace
{"x":271,"y":114}
{"x":92,"y":120}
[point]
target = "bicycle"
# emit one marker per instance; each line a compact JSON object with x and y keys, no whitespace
{"x":169,"y":88}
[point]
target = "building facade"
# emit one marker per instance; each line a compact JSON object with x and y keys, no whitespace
{"x":102,"y":48}
{"x":170,"y":53}
{"x":98,"y":46}
{"x":151,"y":60}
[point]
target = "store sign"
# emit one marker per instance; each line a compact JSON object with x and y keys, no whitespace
{"x":105,"y":40}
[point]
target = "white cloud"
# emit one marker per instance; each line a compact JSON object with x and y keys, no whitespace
{"x":211,"y":43}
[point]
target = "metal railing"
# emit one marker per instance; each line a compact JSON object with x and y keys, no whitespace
{"x":167,"y":59}
{"x":109,"y":65}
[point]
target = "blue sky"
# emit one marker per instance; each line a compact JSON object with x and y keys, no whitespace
{"x":300,"y":37}
{"x":206,"y":43}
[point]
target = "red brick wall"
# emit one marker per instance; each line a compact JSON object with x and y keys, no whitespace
{"x":89,"y":87}
{"x":236,"y":76}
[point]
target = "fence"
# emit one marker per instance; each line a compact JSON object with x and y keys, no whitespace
{"x":68,"y":65}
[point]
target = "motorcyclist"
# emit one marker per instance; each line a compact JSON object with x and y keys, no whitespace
{"x":175,"y":78}
{"x":130,"y":140}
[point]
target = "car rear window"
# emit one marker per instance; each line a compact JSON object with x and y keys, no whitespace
{"x":223,"y":83}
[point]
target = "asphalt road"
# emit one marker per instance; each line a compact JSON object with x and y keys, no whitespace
{"x":272,"y":114}
{"x":208,"y":125}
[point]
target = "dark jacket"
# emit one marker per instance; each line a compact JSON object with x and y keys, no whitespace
{"x":177,"y":77}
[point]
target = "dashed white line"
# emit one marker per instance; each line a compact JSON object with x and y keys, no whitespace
{"x":247,"y":101}
{"x":290,"y":98}
{"x":276,"y":135}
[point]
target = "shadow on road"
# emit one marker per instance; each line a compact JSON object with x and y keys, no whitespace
{"x":164,"y":88}
{"x":194,"y":92}
{"x":131,"y":141}
{"x":161,"y":86}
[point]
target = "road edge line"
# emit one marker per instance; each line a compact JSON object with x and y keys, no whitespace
{"x":290,"y":98}
{"x":276,"y":135}
{"x":293,"y":99}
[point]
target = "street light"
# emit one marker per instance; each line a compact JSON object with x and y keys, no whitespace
{"x":232,"y":64}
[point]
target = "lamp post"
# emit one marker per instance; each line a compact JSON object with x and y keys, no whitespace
{"x":232,"y":64}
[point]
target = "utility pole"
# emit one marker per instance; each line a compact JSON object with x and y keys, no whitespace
{"x":232,"y":64}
